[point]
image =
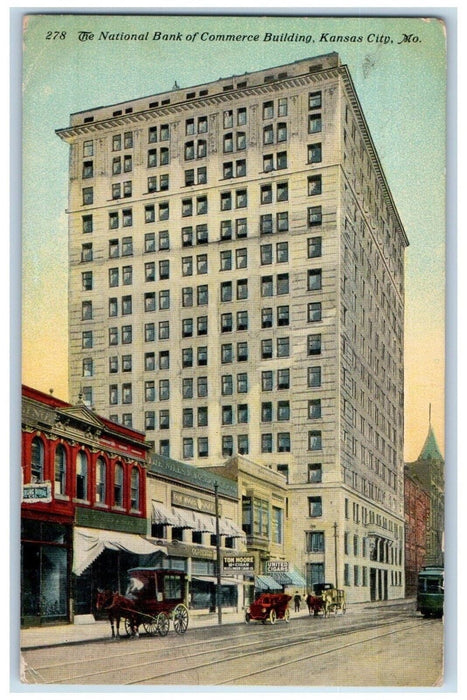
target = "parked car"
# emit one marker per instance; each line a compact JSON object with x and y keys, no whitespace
{"x":269,"y":607}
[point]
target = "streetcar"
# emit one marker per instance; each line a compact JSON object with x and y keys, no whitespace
{"x":430,"y":591}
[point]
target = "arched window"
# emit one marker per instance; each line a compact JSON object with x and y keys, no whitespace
{"x":118,"y":485}
{"x":81,"y":476}
{"x":37,"y":460}
{"x":60,"y":470}
{"x":134,"y":489}
{"x":100,"y":480}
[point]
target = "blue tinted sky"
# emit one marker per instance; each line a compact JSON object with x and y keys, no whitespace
{"x":402,"y":91}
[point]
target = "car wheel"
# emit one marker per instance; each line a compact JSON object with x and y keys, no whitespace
{"x":272,"y":616}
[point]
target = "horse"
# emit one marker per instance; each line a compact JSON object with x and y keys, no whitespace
{"x":117,"y":607}
{"x":316,"y":604}
{"x":103,"y":601}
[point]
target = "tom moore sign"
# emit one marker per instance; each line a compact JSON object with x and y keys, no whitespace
{"x":241,"y":564}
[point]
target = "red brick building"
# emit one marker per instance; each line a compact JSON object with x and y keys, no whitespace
{"x":417,"y":511}
{"x":83,"y":511}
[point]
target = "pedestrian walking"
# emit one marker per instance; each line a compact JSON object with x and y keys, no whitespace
{"x":297,"y":600}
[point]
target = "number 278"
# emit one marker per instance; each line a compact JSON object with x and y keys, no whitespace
{"x":55,"y":35}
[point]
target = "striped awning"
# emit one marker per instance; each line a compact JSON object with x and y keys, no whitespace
{"x":289,"y":578}
{"x":193,"y":520}
{"x":267,"y":583}
{"x":89,"y":543}
{"x":164,"y":515}
{"x":229,"y":528}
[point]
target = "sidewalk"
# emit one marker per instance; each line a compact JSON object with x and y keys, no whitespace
{"x":38,"y":637}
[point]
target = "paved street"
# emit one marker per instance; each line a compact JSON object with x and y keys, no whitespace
{"x":375,"y":646}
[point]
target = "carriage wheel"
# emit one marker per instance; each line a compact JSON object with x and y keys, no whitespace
{"x":128,"y":627}
{"x":150,"y":626}
{"x":287,"y":615}
{"x":162,"y":624}
{"x":272,"y":616}
{"x":180,"y":619}
{"x":247,"y":617}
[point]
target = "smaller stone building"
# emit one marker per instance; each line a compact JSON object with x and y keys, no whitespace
{"x":417,"y":510}
{"x":182,"y":512}
{"x":429,"y":470}
{"x":83,"y":507}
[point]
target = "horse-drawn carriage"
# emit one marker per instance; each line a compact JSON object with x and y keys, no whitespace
{"x":326,"y":599}
{"x":153,"y":599}
{"x":269,"y":607}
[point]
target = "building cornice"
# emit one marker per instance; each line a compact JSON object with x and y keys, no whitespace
{"x":70,"y":133}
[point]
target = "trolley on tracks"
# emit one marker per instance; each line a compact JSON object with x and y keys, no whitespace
{"x":430,"y":591}
{"x":269,"y":607}
{"x":154,"y":599}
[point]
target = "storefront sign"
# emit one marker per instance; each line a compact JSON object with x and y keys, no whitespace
{"x":37,"y":493}
{"x":272,"y":566}
{"x":186,"y":500}
{"x":180,"y":549}
{"x":246,"y":564}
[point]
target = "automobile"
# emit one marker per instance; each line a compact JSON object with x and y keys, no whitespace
{"x":269,"y":607}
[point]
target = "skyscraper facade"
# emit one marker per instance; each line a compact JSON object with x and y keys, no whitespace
{"x":237,"y":287}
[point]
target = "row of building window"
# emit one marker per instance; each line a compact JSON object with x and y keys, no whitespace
{"x":195,"y":150}
{"x":270,"y":379}
{"x":199,"y":125}
{"x":228,"y":354}
{"x":269,"y":286}
{"x":230,"y":169}
{"x":199,"y":234}
{"x":109,"y":483}
{"x":269,"y":254}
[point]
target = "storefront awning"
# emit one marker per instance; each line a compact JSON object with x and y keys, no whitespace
{"x":289,"y":578}
{"x":194,"y":520}
{"x":225,"y":581}
{"x":267,"y":583}
{"x":89,"y":543}
{"x":230,"y":529}
{"x":164,"y":515}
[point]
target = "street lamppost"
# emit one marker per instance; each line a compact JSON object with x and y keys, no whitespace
{"x":218,"y":557}
{"x":335,"y":554}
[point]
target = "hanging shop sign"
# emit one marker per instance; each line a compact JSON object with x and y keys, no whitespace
{"x":278,"y":565}
{"x":238,"y":563}
{"x":37,"y":493}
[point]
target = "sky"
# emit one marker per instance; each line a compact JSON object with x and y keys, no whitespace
{"x":402,"y":89}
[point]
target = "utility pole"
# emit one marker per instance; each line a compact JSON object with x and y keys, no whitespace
{"x":335,"y":554}
{"x":218,"y":557}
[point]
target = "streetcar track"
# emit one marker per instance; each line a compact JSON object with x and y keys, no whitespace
{"x":278,"y":647}
{"x":245,"y":643}
{"x":187,"y":644}
{"x":315,"y":656}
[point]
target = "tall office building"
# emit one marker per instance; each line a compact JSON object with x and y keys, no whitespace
{"x":237,"y":287}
